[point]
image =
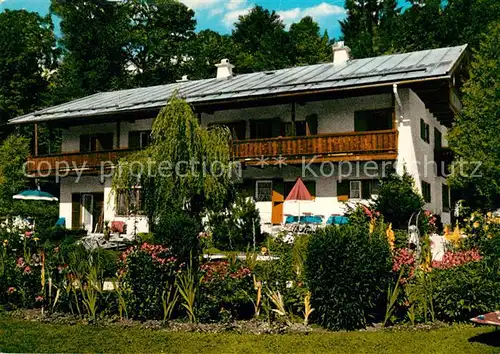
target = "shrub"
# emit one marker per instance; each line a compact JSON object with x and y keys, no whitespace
{"x":460,"y":293}
{"x":347,"y":270}
{"x":398,"y":199}
{"x":179,"y":231}
{"x":147,"y":271}
{"x":236,"y":227}
{"x":224,"y":291}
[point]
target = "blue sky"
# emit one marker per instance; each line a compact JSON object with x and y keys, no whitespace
{"x":219,"y":15}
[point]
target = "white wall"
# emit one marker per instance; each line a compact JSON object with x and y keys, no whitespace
{"x":414,"y":153}
{"x":91,"y":184}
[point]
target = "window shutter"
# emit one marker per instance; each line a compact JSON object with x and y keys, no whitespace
{"x":365,"y":189}
{"x":134,"y":140}
{"x":312,"y":124}
{"x":343,"y":190}
{"x":84,"y":143}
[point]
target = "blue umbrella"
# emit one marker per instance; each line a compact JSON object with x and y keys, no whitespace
{"x":34,"y":194}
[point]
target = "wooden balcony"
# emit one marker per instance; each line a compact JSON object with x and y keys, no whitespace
{"x":352,"y":146}
{"x":77,"y":161}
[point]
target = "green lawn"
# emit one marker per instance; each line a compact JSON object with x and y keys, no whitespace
{"x":25,"y":336}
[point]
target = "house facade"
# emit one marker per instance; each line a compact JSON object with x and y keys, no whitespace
{"x":340,"y":126}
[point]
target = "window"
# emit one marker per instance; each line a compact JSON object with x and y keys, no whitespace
{"x":266,"y":128}
{"x":445,"y":192}
{"x":129,"y":202}
{"x":139,"y":139}
{"x":355,"y":189}
{"x":426,"y":191}
{"x":425,"y":133}
{"x":380,"y":119}
{"x":438,"y":139}
{"x":263,"y":191}
{"x":238,"y":129}
{"x":361,"y":189}
{"x":96,"y":142}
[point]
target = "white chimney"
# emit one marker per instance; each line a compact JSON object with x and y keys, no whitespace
{"x":341,"y":53}
{"x":224,"y":69}
{"x":184,"y":79}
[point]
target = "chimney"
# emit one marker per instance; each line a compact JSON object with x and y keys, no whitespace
{"x":341,"y":53}
{"x":224,"y":69}
{"x":184,"y":79}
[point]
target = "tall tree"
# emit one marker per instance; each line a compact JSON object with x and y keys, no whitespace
{"x":369,"y":26}
{"x":94,"y":35}
{"x":27,"y":55}
{"x":160,"y":37}
{"x":475,"y":136}
{"x":207,"y":49}
{"x":261,"y":41}
{"x":307,"y":45}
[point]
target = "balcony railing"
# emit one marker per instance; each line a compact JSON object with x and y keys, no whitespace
{"x":333,"y":147}
{"x":375,"y":145}
{"x":68,"y":162}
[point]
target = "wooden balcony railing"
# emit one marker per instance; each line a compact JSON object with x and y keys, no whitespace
{"x":375,"y":145}
{"x":332,"y":147}
{"x":68,"y":162}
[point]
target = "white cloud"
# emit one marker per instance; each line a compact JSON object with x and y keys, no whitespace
{"x":232,"y":16}
{"x":216,"y":11}
{"x":200,"y":4}
{"x":317,"y":12}
{"x":235,"y":4}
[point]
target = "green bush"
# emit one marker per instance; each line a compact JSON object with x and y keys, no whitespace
{"x":347,"y":270}
{"x":462,"y":292}
{"x":237,"y":227}
{"x":398,"y":199}
{"x":179,"y":231}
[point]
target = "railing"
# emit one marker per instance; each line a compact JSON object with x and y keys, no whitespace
{"x":443,"y":158}
{"x":341,"y":145}
{"x":67,"y":162}
{"x":338,"y":146}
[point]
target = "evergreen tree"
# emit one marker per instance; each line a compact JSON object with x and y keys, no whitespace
{"x":307,"y":45}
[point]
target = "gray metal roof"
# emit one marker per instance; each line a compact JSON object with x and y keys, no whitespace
{"x":385,"y":69}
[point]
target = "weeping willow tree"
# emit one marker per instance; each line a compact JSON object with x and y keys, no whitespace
{"x":186,"y":169}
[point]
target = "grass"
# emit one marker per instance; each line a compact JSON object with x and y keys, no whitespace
{"x":26,"y":336}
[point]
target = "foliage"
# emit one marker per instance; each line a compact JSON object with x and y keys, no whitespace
{"x":398,"y":200}
{"x":224,"y":290}
{"x":474,"y":135}
{"x":465,"y":291}
{"x":307,"y":45}
{"x":27,"y":54}
{"x":347,"y":293}
{"x":13,"y":154}
{"x":146,"y":271}
{"x":237,"y":227}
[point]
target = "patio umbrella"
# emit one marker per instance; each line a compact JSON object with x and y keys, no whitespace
{"x":299,"y":193}
{"x":34,"y":194}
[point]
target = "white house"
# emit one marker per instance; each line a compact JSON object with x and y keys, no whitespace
{"x":339,"y":126}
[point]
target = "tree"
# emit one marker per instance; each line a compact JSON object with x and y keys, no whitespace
{"x":261,"y":41}
{"x":398,"y":200}
{"x":160,"y":36}
{"x":370,"y":26}
{"x":475,"y":134}
{"x":186,"y":169}
{"x":94,"y":35}
{"x":27,"y":55}
{"x":207,"y":49}
{"x":307,"y":45}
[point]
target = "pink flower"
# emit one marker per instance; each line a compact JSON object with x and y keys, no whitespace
{"x":11,"y":290}
{"x":20,"y":262}
{"x":28,"y":234}
{"x":38,"y":298}
{"x":27,"y":270}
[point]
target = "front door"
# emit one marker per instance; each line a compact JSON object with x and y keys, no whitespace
{"x":277,"y":203}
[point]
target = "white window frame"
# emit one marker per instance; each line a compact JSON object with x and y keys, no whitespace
{"x":352,"y":189}
{"x":257,"y":186}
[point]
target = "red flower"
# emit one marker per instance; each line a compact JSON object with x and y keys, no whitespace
{"x":27,"y":270}
{"x":11,"y":290}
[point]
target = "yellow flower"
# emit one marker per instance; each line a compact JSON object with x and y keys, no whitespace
{"x":489,"y":214}
{"x":5,"y":242}
{"x":36,"y":239}
{"x":476,"y":224}
{"x":485,"y":228}
{"x":391,"y":237}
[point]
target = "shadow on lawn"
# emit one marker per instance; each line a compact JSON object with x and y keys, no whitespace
{"x":489,"y":338}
